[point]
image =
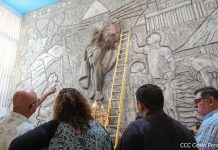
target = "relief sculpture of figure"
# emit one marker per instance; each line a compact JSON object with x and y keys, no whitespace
{"x":160,"y":58}
{"x":93,"y":56}
{"x":161,"y":66}
{"x":170,"y":96}
{"x":206,"y":65}
{"x":99,"y":59}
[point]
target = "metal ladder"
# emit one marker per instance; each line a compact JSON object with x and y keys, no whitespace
{"x":118,"y":87}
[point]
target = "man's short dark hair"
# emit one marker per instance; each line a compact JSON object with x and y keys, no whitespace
{"x":207,"y":92}
{"x":151,"y":96}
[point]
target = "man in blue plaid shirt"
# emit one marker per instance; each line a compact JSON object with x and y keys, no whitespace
{"x":206,"y":104}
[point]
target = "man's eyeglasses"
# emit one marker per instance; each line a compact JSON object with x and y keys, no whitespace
{"x":196,"y":101}
{"x":35,"y":102}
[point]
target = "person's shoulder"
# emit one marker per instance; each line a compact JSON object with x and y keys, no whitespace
{"x":99,"y":130}
{"x":97,"y":126}
{"x":139,"y":123}
{"x":2,"y":117}
{"x":215,"y":115}
{"x":177,"y":124}
{"x":211,"y":121}
{"x":3,"y":120}
{"x":25,"y":124}
{"x":94,"y":124}
{"x":52,"y":122}
{"x":6,"y":117}
{"x":24,"y":127}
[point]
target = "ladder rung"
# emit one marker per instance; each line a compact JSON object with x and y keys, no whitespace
{"x":116,"y":91}
{"x":113,"y":116}
{"x":114,"y":107}
{"x":113,"y":126}
{"x":125,"y":31}
{"x":122,"y":54}
{"x":117,"y":84}
{"x":125,"y":39}
{"x":113,"y":136}
{"x":120,"y":65}
{"x":120,"y":68}
{"x":118,"y":81}
{"x":122,"y":61}
{"x":115,"y":99}
{"x":124,"y":43}
{"x":119,"y":71}
{"x":123,"y":48}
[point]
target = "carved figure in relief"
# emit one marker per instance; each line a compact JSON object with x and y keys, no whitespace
{"x":98,"y":60}
{"x":170,"y":97}
{"x":206,"y":65}
{"x":161,"y":66}
{"x":93,"y":56}
{"x":36,"y":43}
{"x":160,"y":58}
{"x":138,"y":75}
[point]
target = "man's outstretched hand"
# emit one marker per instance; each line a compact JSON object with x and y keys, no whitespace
{"x":52,"y":90}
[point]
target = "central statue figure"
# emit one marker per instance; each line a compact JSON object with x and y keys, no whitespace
{"x":99,"y":59}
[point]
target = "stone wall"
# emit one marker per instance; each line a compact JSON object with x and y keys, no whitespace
{"x":183,"y":58}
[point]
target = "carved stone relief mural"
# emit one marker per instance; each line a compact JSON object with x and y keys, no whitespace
{"x":174,"y":45}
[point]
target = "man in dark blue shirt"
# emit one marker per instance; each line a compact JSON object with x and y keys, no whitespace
{"x":155,"y":130}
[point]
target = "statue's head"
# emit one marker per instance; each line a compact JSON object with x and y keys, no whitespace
{"x":110,"y":35}
{"x":153,"y":38}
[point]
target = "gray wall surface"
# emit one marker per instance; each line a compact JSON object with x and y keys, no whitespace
{"x":183,"y":58}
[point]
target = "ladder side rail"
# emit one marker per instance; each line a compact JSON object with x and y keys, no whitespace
{"x":123,"y":88}
{"x":114,"y":78}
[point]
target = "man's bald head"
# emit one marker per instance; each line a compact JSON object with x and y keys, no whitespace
{"x":22,"y":101}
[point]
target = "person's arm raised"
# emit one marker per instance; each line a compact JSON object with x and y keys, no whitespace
{"x":135,"y":46}
{"x":50,"y":91}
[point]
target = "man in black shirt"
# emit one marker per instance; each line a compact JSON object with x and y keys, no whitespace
{"x":155,"y":130}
